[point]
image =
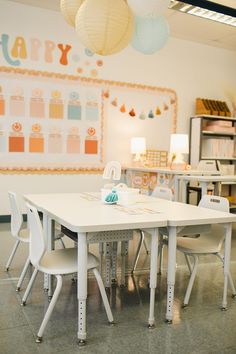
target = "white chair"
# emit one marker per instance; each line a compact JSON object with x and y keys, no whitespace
{"x":208,"y":243}
{"x":158,"y":192}
{"x":57,"y":262}
{"x":203,"y":165}
{"x":21,"y":235}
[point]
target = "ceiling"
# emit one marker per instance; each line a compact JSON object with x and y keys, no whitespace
{"x":182,"y":25}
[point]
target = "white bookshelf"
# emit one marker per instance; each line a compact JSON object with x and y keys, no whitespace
{"x":212,"y":145}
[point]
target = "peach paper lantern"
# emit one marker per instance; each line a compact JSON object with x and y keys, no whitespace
{"x":69,"y":10}
{"x":104,"y":26}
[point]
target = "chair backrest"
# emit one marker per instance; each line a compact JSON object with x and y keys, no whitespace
{"x":214,"y":202}
{"x":16,"y":215}
{"x":162,"y":193}
{"x":112,"y":170}
{"x":37,"y":244}
{"x":207,"y":165}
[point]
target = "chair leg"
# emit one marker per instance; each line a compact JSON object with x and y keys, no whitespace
{"x":136,"y":258}
{"x":104,"y":295}
{"x":145,"y":246}
{"x":188,"y":263}
{"x":29,"y":287}
{"x":50,"y":309}
{"x":191,"y":281}
{"x":12,"y":254}
{"x":231,"y":283}
{"x":23,"y":274}
{"x":62,"y":242}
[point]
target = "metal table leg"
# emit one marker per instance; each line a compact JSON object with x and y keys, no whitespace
{"x":153,"y":276}
{"x":171,"y":273}
{"x":82,"y":287}
{"x":228,"y":233}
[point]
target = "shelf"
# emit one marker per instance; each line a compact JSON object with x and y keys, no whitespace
{"x":207,"y":132}
{"x":215,"y":117}
{"x":218,"y":158}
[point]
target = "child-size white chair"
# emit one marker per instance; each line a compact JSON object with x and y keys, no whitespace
{"x":203,"y":165}
{"x":208,"y":243}
{"x":20,"y":234}
{"x":158,"y":192}
{"x":57,"y":262}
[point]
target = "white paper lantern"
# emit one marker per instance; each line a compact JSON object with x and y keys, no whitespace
{"x":69,"y":10}
{"x":148,"y":8}
{"x":150,"y":34}
{"x":104,"y":26}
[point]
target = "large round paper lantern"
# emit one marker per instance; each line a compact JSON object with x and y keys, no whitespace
{"x":105,"y":26}
{"x":148,"y":8}
{"x":150,"y":34}
{"x":69,"y":10}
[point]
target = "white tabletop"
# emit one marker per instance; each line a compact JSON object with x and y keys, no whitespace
{"x":180,"y":214}
{"x":223,"y":178}
{"x":79,"y":214}
{"x":82,"y":215}
{"x":168,"y":170}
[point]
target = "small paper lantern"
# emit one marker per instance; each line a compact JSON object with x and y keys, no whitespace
{"x":104,"y":26}
{"x":148,"y":8}
{"x":150,"y":34}
{"x":69,"y":10}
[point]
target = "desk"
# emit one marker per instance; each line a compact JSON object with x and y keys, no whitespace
{"x":147,"y":178}
{"x":86,"y":217}
{"x":203,"y":183}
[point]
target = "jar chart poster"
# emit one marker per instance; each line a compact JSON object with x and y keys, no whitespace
{"x":55,"y":122}
{"x":47,"y":122}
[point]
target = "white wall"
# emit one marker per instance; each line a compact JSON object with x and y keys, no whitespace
{"x":192,"y":69}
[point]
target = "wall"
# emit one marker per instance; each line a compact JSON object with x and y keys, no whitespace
{"x":191,"y":69}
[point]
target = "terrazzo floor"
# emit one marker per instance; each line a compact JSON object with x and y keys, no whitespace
{"x":202,"y":328}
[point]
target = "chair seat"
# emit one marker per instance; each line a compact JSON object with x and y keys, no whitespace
{"x":206,"y":243}
{"x":63,"y":261}
{"x":187,"y":230}
{"x":24,"y":235}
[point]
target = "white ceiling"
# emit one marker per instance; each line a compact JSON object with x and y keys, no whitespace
{"x":182,"y":25}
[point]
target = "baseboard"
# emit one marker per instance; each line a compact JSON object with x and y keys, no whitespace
{"x":7,"y":218}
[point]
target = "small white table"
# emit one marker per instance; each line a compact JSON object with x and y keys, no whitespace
{"x":203,"y":183}
{"x":87,"y":217}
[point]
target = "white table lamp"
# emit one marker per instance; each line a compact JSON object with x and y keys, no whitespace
{"x":179,"y":145}
{"x":138,"y":147}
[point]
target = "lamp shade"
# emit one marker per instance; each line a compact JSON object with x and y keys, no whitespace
{"x":69,"y":10}
{"x":104,"y":26}
{"x":150,"y":34}
{"x":179,"y":143}
{"x":138,"y":145}
{"x":148,"y":8}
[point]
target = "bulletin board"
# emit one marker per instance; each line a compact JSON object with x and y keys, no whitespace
{"x":55,"y":123}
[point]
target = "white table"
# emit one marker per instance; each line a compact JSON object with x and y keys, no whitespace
{"x":165,"y":177}
{"x":86,"y":217}
{"x":203,"y":183}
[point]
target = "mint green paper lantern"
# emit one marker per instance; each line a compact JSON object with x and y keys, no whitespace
{"x":150,"y":35}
